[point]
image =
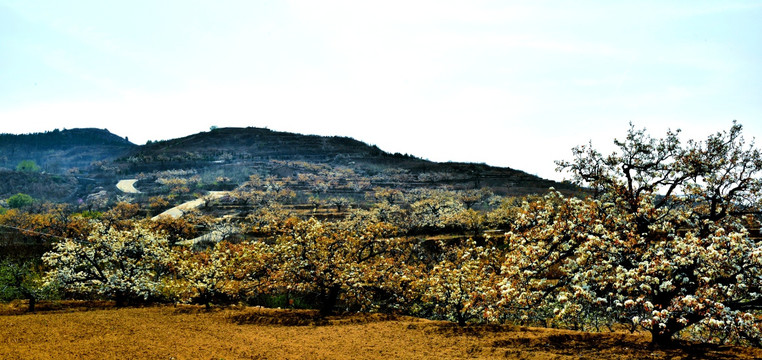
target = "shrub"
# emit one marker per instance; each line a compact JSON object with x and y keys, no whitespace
{"x":27,"y":166}
{"x":19,"y":201}
{"x":23,"y":280}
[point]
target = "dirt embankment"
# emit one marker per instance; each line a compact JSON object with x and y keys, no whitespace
{"x":188,"y":332}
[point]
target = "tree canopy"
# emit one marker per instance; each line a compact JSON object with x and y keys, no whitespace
{"x":663,"y":242}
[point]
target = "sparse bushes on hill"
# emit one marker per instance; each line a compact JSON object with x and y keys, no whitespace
{"x":38,"y":185}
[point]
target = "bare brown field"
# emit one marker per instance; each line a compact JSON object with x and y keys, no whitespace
{"x":96,"y":331}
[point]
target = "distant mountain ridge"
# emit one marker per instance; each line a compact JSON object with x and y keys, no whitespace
{"x":59,"y":150}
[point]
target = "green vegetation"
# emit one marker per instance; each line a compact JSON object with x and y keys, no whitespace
{"x":19,"y":201}
{"x":91,"y":214}
{"x":28,"y":166}
{"x":23,"y":280}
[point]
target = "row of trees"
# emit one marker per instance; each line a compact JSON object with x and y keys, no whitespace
{"x":346,"y":265}
{"x":668,"y":241}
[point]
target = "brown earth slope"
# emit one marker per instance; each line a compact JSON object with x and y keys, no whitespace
{"x":252,"y":333}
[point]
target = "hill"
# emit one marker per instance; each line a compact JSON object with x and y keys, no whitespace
{"x":247,"y":146}
{"x":86,"y":161}
{"x":52,"y":187}
{"x":59,"y":151}
{"x":239,"y":152}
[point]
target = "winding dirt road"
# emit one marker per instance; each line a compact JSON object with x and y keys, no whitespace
{"x":179,"y":210}
{"x":128,"y":186}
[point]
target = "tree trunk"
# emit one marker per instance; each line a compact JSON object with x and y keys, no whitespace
{"x":461,"y":320}
{"x":661,"y":339}
{"x":459,"y":315}
{"x":121,"y":300}
{"x":32,"y":303}
{"x":329,"y":301}
{"x":664,"y":337}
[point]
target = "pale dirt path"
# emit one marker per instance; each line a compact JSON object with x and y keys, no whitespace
{"x":128,"y":186}
{"x":179,"y":210}
{"x":216,"y":235}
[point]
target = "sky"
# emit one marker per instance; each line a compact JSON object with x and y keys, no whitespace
{"x":506,"y":83}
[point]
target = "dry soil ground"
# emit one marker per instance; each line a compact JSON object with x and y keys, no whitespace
{"x":97,"y":331}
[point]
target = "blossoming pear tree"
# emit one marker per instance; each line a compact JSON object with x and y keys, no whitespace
{"x":335,"y":261}
{"x":122,"y":264}
{"x":663,"y":242}
{"x":460,"y":286}
{"x":222,"y":273}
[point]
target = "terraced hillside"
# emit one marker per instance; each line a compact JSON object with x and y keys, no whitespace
{"x":90,"y":162}
{"x":239,"y":152}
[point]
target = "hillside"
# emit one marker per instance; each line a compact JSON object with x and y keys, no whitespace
{"x":59,"y":151}
{"x":86,"y":161}
{"x":55,"y":188}
{"x":239,"y":152}
{"x":247,"y":145}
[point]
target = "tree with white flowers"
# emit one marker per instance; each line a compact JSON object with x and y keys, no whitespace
{"x":663,"y":243}
{"x":434,"y":210}
{"x":460,"y":286}
{"x":121,"y":264}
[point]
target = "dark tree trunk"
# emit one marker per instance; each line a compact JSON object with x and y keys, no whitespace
{"x":329,"y":301}
{"x":32,"y":303}
{"x":459,"y":315}
{"x":121,"y":300}
{"x":664,"y":338}
{"x":461,"y":320}
{"x":661,"y":339}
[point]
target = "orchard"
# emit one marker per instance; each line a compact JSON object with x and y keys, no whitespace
{"x":664,"y":239}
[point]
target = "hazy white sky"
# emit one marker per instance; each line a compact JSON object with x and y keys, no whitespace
{"x":508,"y":83}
